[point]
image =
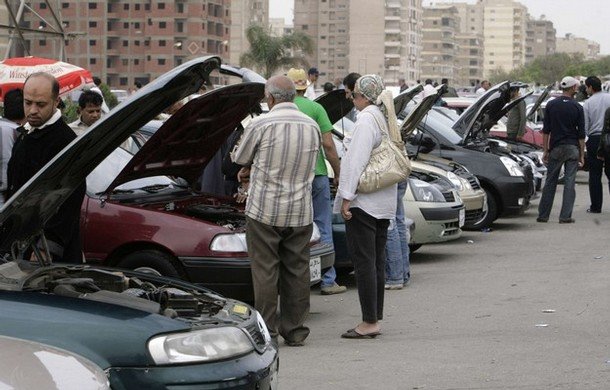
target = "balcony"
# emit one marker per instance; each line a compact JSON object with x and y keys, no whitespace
{"x":392,"y":43}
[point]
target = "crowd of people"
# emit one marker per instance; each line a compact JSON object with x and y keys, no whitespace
{"x":286,"y":196}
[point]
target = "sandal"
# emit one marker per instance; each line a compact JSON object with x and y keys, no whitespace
{"x":353,"y":334}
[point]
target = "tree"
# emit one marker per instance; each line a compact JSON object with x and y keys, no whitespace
{"x":269,"y":53}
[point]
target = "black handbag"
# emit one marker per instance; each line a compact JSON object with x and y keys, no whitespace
{"x":604,"y":142}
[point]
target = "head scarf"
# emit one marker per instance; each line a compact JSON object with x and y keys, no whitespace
{"x":372,"y":88}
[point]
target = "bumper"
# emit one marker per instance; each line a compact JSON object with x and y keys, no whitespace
{"x":232,"y":276}
{"x":515,"y":193}
{"x":475,"y":205}
{"x":435,"y":224}
{"x":252,"y":371}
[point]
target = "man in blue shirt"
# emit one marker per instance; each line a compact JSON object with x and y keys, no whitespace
{"x":564,"y":145}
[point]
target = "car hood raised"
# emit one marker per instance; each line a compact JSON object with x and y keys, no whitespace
{"x":539,"y":101}
{"x":416,"y":114}
{"x":486,"y":111}
{"x":25,"y":214}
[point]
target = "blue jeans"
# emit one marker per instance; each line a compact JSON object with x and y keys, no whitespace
{"x":560,"y":155}
{"x":397,"y":270}
{"x":322,"y":216}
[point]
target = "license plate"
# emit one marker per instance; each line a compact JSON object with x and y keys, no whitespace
{"x":315,"y":269}
{"x":462,"y":217}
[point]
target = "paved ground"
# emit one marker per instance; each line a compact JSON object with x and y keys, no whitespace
{"x":475,"y":314}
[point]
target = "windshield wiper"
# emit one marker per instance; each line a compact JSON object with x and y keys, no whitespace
{"x":154,"y":188}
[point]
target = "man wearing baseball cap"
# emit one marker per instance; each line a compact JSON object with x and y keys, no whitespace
{"x":322,"y":211}
{"x":564,"y":145}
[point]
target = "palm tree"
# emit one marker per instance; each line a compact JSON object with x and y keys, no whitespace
{"x":268,"y":53}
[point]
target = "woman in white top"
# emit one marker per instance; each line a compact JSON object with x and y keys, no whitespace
{"x":367,"y":215}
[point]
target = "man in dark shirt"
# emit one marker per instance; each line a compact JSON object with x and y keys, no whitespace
{"x":43,"y":136}
{"x":564,"y":144}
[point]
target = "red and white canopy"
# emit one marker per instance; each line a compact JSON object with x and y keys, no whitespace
{"x":14,"y":71}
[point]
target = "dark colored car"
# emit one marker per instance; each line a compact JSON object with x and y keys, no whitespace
{"x":145,"y":331}
{"x":508,"y":183}
{"x":148,"y":212}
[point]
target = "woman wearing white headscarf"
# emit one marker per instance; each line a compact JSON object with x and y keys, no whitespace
{"x":367,"y":215}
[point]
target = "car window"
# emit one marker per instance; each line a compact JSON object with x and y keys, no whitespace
{"x":101,"y":177}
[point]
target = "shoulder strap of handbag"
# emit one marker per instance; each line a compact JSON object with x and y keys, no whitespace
{"x":393,"y":137}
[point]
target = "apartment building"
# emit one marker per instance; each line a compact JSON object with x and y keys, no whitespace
{"x":124,"y":41}
{"x":572,"y":44}
{"x":440,"y":46}
{"x":243,"y":14}
{"x":4,"y":34}
{"x":504,"y":34}
{"x":363,"y":36}
{"x":540,"y":38}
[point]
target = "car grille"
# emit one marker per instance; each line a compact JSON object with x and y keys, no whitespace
{"x":256,"y":334}
{"x":473,"y":216}
{"x":451,"y":228}
{"x":461,"y":172}
{"x":449,"y":197}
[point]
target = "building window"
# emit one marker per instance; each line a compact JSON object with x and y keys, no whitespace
{"x":43,"y":5}
{"x":65,"y":5}
{"x":136,"y":61}
{"x":109,"y":63}
{"x":125,"y":43}
{"x":92,"y":42}
{"x":92,"y":24}
{"x":125,"y":61}
{"x":136,"y":25}
{"x":92,"y":5}
{"x":125,"y":25}
{"x":126,"y":6}
{"x":137,"y":7}
{"x":43,"y":24}
{"x":305,"y":27}
{"x":42,"y":42}
{"x":161,"y":61}
{"x":161,"y":6}
{"x":162,"y":43}
{"x":147,"y":7}
{"x":92,"y":61}
{"x":137,"y":43}
{"x":162,"y":24}
{"x":122,"y":80}
{"x":180,"y":7}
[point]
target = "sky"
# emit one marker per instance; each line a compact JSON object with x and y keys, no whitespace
{"x":584,"y":18}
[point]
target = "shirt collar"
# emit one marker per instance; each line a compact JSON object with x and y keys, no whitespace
{"x":54,"y":118}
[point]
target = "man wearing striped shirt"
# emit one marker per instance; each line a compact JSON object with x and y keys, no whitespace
{"x":279,"y":152}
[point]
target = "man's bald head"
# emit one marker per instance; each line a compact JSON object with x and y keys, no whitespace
{"x":40,"y":98}
{"x":281,"y":89}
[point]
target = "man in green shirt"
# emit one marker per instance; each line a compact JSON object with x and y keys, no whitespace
{"x":322,"y":210}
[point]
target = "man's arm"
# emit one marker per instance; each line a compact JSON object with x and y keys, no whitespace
{"x":545,"y":147}
{"x":331,"y":155}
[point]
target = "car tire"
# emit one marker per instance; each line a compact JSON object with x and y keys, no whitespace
{"x":151,"y":261}
{"x":414,"y":247}
{"x":492,"y":213}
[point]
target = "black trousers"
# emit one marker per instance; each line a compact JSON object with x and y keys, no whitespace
{"x":366,"y":239}
{"x":596,"y":167}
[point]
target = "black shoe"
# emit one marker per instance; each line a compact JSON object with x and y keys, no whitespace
{"x":567,"y":220}
{"x":543,"y":220}
{"x":594,"y":211}
{"x":292,"y":343}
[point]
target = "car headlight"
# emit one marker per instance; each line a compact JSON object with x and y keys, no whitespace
{"x":511,"y":166}
{"x":424,"y":192}
{"x":204,"y":345}
{"x":455,"y":180}
{"x":233,"y":242}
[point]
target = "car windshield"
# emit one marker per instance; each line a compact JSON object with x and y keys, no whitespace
{"x":442,"y":126}
{"x":101,"y":177}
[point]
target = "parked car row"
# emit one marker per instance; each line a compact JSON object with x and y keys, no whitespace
{"x":141,"y":330}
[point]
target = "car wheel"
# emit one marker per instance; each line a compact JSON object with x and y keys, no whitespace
{"x":150,"y":261}
{"x":490,"y":216}
{"x":414,"y":247}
